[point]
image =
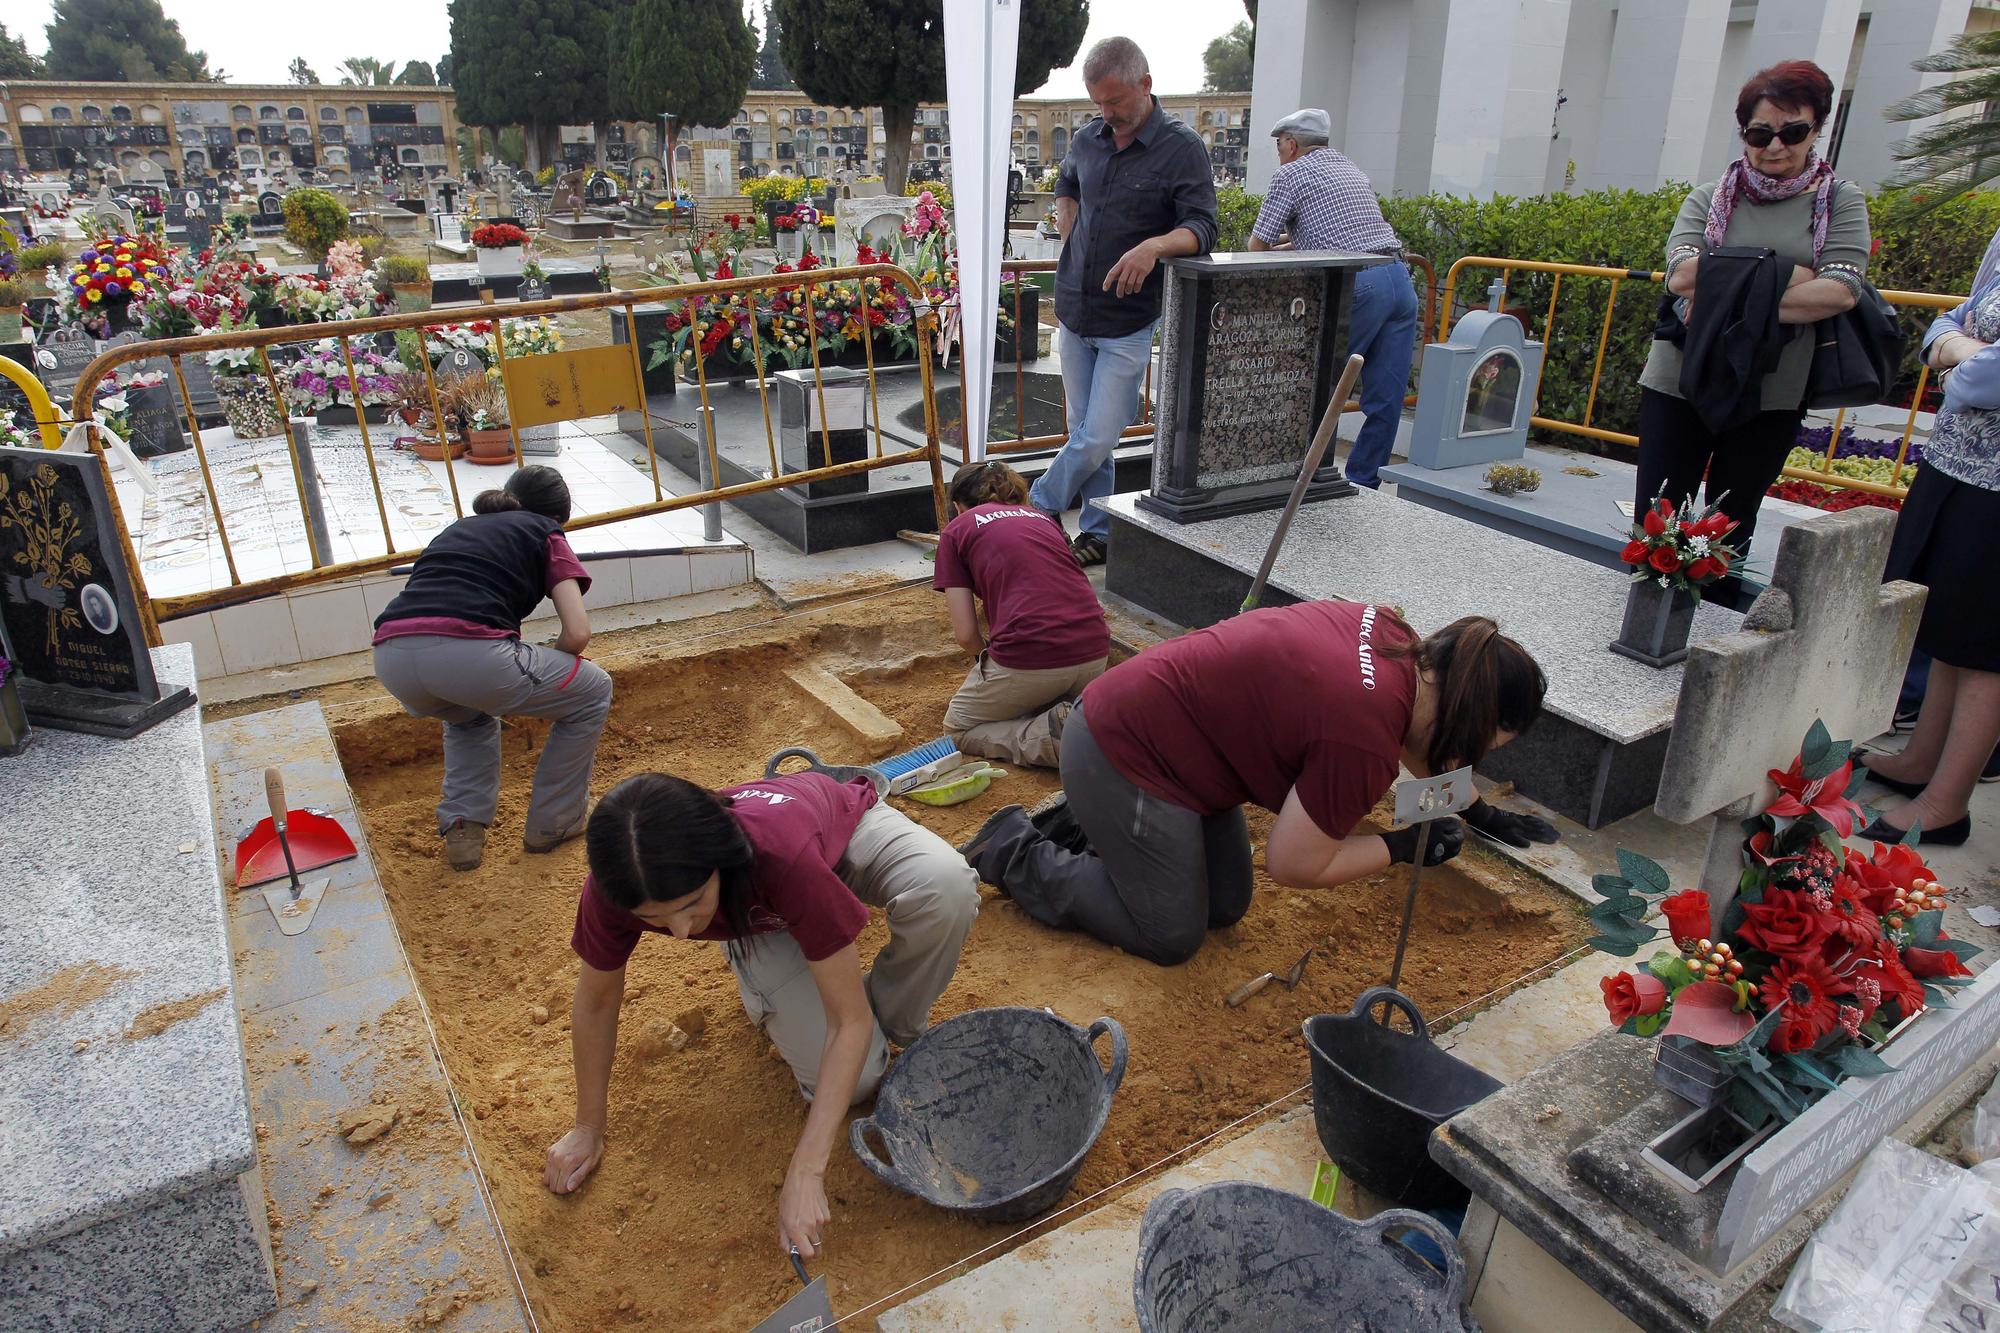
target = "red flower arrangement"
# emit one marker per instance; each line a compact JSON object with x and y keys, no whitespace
{"x":785,"y":222}
{"x":1680,"y":548}
{"x":498,"y":236}
{"x":1825,"y":951}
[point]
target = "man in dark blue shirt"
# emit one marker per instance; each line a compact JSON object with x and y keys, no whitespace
{"x":1135,"y":188}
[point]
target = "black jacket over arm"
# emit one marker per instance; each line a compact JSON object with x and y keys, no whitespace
{"x":1734,"y":339}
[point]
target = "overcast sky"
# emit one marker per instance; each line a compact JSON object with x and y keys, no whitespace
{"x":1173,"y":32}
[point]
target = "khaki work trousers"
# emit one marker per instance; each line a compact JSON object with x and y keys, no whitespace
{"x":1006,"y":713}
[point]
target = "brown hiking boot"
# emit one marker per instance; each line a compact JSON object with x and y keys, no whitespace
{"x":464,"y":844}
{"x":548,"y":842}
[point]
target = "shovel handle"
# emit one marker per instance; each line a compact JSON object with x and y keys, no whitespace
{"x":274,"y":792}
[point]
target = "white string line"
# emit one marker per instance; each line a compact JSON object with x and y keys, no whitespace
{"x":748,"y":627}
{"x":1044,"y":1221}
{"x":471,"y":1149}
{"x":1178,"y":1152}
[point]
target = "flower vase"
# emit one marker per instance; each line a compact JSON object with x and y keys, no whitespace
{"x":1657,"y":624}
{"x":490,"y":447}
{"x":247,"y":406}
{"x":1691,"y":1071}
{"x":412,"y":296}
{"x":10,"y":323}
{"x":14,"y":728}
{"x":501,"y":262}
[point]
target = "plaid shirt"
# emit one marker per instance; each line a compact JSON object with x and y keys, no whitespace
{"x":1325,"y":202}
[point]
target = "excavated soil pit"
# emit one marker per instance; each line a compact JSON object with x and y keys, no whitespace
{"x":678,"y":1225}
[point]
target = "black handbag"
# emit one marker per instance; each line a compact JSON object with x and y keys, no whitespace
{"x":1856,"y":354}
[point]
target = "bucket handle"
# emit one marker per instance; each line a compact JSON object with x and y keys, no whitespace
{"x":880,"y":1165}
{"x":791,"y":752}
{"x":1116,"y":1074}
{"x":1374,"y":995}
{"x":1453,"y":1277}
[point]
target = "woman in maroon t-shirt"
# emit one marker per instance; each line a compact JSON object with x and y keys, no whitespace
{"x":1304,"y":710}
{"x":1046,"y":636}
{"x":783,"y":871}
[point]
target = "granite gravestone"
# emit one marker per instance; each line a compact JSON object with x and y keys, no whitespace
{"x":154,"y":414}
{"x":67,"y":595}
{"x":1250,"y":346}
{"x":270,"y":209}
{"x":532,"y":289}
{"x":62,"y":357}
{"x":811,"y":440}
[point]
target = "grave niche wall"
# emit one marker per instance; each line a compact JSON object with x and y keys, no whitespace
{"x":1250,"y":349}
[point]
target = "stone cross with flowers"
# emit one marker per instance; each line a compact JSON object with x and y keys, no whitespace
{"x":1828,"y":642}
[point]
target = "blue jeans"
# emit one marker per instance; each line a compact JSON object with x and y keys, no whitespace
{"x":1382,"y":327}
{"x":1101,"y":379}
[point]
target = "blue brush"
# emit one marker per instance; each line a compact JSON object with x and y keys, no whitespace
{"x":913,"y":768}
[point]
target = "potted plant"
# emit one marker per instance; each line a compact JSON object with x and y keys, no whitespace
{"x":245,"y":396}
{"x":409,"y":281}
{"x":1822,"y":956}
{"x":479,"y":403}
{"x":1674,"y":554}
{"x":13,"y":306}
{"x":500,"y":246}
{"x":785,"y":234}
{"x":314,"y":221}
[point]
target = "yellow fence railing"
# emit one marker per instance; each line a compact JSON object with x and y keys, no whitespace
{"x":586,"y":381}
{"x":1587,"y":429}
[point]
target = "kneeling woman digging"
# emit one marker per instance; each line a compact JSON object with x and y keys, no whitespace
{"x":1304,"y":710}
{"x":783,"y":872}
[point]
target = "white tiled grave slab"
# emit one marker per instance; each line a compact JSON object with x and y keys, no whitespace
{"x":128,"y":1189}
{"x":180,"y":551}
{"x":1372,"y":547}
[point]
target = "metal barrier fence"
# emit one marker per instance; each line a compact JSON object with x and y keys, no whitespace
{"x":1824,"y":475}
{"x":592,"y":389}
{"x":1024,"y":443}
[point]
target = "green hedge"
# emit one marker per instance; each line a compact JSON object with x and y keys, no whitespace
{"x":1938,"y":252}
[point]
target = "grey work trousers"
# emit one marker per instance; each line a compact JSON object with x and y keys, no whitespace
{"x":1008,"y":713}
{"x":1158,"y":876}
{"x":930,"y":896}
{"x":469,"y":684}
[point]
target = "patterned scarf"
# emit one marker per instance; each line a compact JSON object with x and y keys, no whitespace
{"x":1744,"y":179}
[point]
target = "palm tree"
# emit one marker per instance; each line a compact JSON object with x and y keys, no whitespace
{"x":1961,"y":153}
{"x":367,"y":71}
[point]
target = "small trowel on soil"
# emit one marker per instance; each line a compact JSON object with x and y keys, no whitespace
{"x":1241,"y":995}
{"x":808,"y":1312}
{"x":292,"y":903}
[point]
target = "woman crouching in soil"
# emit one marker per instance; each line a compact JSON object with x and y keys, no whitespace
{"x":1304,"y":710}
{"x":449,"y":646}
{"x":783,"y":871}
{"x":1047,"y":636}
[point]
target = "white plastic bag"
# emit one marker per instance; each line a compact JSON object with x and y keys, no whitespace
{"x":1983,"y":1141}
{"x":1896,"y":1241}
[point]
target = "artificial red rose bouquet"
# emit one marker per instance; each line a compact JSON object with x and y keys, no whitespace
{"x":1680,"y":548}
{"x":1824,"y":952}
{"x":498,"y":236}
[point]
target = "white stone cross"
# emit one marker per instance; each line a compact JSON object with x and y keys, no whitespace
{"x":1827,"y":640}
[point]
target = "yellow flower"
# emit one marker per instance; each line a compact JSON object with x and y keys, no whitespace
{"x":93,"y":295}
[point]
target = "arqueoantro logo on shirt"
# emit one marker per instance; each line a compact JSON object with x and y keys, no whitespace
{"x":981,"y":520}
{"x":1366,"y":652}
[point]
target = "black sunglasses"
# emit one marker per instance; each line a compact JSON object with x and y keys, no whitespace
{"x":1794,"y":134}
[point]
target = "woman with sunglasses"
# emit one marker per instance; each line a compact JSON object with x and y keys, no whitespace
{"x":1782,"y":196}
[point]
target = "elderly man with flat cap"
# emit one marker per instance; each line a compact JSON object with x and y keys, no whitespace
{"x":1322,"y":202}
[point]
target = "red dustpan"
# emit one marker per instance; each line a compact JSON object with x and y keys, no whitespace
{"x":316,"y":840}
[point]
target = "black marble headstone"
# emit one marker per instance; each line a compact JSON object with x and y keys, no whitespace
{"x":532,"y":289}
{"x":68,"y":600}
{"x":155,"y":417}
{"x":1250,"y":349}
{"x":270,"y":204}
{"x":61,"y":357}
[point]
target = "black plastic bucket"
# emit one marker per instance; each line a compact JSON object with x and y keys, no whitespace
{"x":1234,"y":1256}
{"x":1378,"y":1094}
{"x":989,"y":1114}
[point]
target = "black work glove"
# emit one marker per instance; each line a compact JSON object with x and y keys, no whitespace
{"x":1516,"y":830}
{"x":1446,"y":837}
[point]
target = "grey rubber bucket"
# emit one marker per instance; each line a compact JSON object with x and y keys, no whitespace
{"x":989,"y":1114}
{"x":1378,"y":1094}
{"x":1235,"y":1256}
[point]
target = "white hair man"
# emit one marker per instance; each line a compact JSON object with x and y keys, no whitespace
{"x":1135,"y":187}
{"x":1321,"y":201}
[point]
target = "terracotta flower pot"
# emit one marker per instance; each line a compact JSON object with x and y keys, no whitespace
{"x":10,"y":322}
{"x":412,"y":295}
{"x":490,"y":447}
{"x":428,"y":449}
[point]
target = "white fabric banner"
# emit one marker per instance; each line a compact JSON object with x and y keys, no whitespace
{"x":981,"y":41}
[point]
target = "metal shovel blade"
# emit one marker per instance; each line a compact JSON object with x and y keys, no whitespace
{"x":295,"y":915}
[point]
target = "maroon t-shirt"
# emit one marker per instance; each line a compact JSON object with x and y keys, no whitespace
{"x":1293,"y":696}
{"x":1040,"y":609}
{"x":799,"y":827}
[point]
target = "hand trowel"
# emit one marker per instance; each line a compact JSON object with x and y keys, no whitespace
{"x":808,"y":1312}
{"x":292,"y":903}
